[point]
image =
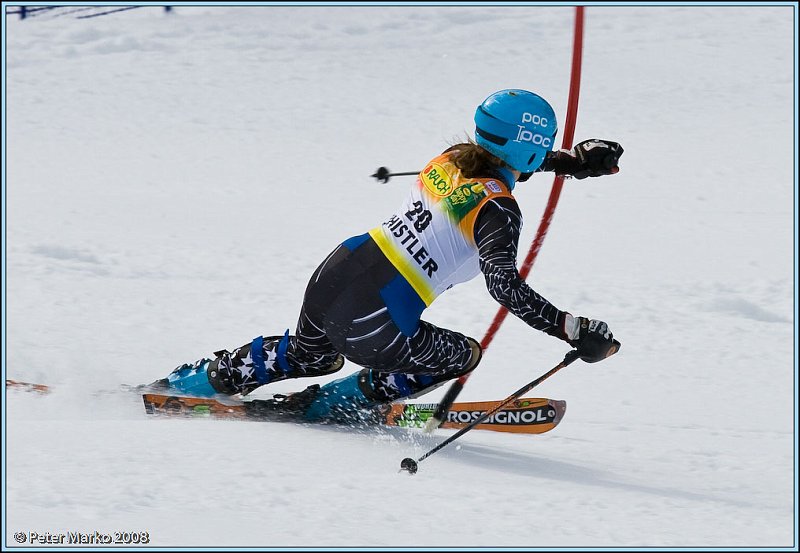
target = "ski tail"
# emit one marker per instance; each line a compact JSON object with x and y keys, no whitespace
{"x":27,"y":386}
{"x":164,"y":404}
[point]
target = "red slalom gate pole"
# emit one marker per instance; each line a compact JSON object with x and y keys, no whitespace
{"x":569,"y":133}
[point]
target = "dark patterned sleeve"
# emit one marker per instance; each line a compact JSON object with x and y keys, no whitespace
{"x":497,"y":231}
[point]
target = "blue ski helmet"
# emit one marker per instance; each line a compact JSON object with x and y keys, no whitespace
{"x":517,"y":126}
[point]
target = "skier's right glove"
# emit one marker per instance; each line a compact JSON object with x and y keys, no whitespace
{"x":592,"y":338}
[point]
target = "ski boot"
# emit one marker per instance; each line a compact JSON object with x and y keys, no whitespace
{"x":359,"y":397}
{"x":342,"y":401}
{"x":190,"y":379}
{"x":349,"y":399}
{"x":240,"y":372}
{"x":346,"y":400}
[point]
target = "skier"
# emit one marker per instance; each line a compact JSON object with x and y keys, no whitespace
{"x":365,"y":300}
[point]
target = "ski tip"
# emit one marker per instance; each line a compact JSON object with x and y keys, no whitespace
{"x":560,"y":407}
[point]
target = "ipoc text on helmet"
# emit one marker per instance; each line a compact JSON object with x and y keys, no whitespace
{"x":525,"y":135}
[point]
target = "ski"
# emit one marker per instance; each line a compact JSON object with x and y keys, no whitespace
{"x":525,"y":416}
{"x":27,"y":386}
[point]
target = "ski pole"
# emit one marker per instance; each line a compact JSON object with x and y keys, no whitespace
{"x":383,"y":174}
{"x":410,"y":465}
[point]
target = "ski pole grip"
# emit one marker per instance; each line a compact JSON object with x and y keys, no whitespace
{"x":595,"y":357}
{"x":382,"y":174}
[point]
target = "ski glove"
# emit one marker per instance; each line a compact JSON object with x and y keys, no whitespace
{"x":592,"y":338}
{"x":595,"y":158}
{"x":590,"y":158}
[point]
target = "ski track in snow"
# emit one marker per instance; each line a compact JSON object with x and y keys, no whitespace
{"x":173,"y":180}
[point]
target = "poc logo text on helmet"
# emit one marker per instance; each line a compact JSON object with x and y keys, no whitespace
{"x":535,"y":119}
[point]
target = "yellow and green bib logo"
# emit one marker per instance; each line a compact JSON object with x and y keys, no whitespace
{"x":437,"y":180}
{"x":465,"y":198}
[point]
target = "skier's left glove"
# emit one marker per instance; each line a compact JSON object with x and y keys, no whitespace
{"x":592,"y":338}
{"x":595,"y":157}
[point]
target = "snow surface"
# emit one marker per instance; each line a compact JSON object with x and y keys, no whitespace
{"x":172,"y":180}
